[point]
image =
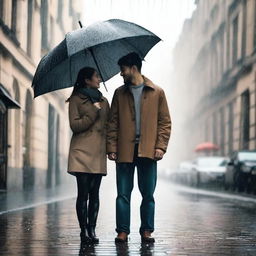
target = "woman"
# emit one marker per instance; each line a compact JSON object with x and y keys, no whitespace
{"x":88,"y":111}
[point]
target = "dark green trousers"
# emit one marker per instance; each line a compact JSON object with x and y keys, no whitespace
{"x":147,"y":176}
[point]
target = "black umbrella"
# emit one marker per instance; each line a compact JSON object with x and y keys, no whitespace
{"x":99,"y":45}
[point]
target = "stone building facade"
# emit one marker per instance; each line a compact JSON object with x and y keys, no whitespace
{"x":34,"y":137}
{"x":215,"y":72}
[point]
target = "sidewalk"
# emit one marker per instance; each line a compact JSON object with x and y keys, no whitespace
{"x":14,"y":201}
{"x":187,"y":221}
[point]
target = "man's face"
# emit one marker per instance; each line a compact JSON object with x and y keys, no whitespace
{"x":127,"y":74}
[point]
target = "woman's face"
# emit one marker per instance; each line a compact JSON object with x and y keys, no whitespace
{"x":94,"y":82}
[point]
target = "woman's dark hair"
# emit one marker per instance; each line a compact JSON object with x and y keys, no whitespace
{"x":131,"y":59}
{"x":84,"y":73}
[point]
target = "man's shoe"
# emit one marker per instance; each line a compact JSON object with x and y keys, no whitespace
{"x":122,"y":237}
{"x":147,"y":238}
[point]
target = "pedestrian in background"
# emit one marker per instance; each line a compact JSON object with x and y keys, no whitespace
{"x":88,"y":112}
{"x":138,"y":133}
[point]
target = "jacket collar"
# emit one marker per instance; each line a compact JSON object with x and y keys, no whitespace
{"x":147,"y":82}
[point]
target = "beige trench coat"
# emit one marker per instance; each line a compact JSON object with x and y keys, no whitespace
{"x":87,"y":153}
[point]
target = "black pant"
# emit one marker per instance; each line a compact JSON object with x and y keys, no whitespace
{"x":88,"y":188}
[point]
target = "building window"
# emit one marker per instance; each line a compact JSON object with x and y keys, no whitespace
{"x":230,"y":127}
{"x":70,"y":8}
{"x":244,"y":27}
{"x":213,"y":66}
{"x":206,"y":131}
{"x":221,"y":53}
{"x":60,"y":8}
{"x":3,"y":145}
{"x":214,"y":128}
{"x":29,"y":26}
{"x":27,"y":119}
{"x":16,"y":90}
{"x":17,"y":122}
{"x":245,"y":120}
{"x":254,"y":37}
{"x":216,"y":64}
{"x":44,"y":24}
{"x":222,"y":131}
{"x":28,"y":174}
{"x":235,"y":40}
{"x":53,"y":170}
{"x":1,"y":9}
{"x":14,"y":15}
{"x":227,"y":48}
{"x":52,"y":34}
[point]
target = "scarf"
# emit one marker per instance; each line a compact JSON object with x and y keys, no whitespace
{"x":93,"y":94}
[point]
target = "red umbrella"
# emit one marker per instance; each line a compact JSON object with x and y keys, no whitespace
{"x":206,"y":146}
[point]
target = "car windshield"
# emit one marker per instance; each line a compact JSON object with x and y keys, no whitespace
{"x":247,"y":156}
{"x":211,"y":161}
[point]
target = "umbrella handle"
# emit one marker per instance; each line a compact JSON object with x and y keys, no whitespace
{"x":98,"y":68}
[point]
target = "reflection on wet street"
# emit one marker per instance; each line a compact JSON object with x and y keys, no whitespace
{"x":186,"y":224}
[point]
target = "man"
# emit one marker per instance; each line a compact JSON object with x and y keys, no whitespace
{"x":138,"y":133}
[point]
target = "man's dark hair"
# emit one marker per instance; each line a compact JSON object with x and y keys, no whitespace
{"x":131,"y":59}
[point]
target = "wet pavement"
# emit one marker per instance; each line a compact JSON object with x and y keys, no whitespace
{"x":188,"y":222}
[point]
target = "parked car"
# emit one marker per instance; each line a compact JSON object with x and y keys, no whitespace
{"x":210,"y":169}
{"x":241,"y":171}
{"x":187,"y":174}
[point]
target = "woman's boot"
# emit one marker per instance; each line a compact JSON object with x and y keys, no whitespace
{"x":92,"y":234}
{"x":85,"y":238}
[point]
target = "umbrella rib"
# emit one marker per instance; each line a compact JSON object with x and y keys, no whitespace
{"x":127,"y":43}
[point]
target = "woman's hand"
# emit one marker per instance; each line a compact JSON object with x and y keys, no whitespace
{"x":97,"y":105}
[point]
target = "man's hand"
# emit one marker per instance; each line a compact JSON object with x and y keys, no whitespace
{"x":159,"y":153}
{"x":112,"y":156}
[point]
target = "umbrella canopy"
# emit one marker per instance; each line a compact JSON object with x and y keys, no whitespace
{"x":100,"y":46}
{"x":206,"y":146}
